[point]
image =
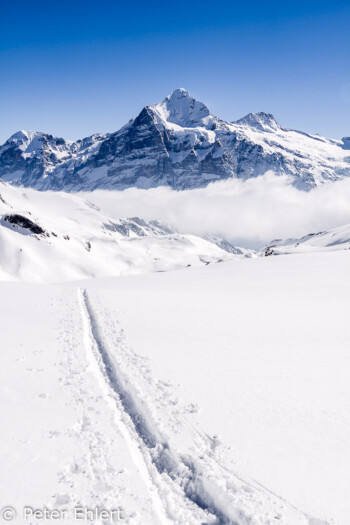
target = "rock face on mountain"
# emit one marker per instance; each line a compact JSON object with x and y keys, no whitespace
{"x":177,"y":143}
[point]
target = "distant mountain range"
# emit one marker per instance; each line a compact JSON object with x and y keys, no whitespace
{"x":177,"y":143}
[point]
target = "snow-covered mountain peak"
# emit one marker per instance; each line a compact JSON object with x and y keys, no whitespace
{"x":27,"y":140}
{"x":33,"y":141}
{"x":261,"y":121}
{"x":23,"y":135}
{"x":182,"y":109}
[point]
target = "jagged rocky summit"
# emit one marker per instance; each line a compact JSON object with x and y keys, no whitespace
{"x":177,"y":143}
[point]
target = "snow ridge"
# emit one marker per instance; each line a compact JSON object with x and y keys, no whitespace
{"x":331,"y":240}
{"x":260,"y":121}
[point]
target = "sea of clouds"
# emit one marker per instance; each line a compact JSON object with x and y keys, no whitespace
{"x":249,"y":213}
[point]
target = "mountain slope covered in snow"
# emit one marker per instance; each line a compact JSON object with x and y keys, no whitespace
{"x":332,"y":240}
{"x":58,"y":236}
{"x":178,"y":143}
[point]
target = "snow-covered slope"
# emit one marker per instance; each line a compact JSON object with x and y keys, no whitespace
{"x":260,"y":349}
{"x":58,"y":236}
{"x":177,"y":143}
{"x":214,"y":395}
{"x":336,"y":239}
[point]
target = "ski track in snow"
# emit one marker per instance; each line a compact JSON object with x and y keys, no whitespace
{"x":100,"y":474}
{"x":100,"y":362}
{"x":185,"y":489}
{"x":148,"y":448}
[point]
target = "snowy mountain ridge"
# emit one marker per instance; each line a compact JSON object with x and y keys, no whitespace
{"x":331,"y":240}
{"x":177,"y":143}
{"x":261,"y":121}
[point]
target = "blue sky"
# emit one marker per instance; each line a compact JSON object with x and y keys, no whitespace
{"x":76,"y":68}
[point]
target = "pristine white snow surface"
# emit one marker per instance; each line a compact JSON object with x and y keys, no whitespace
{"x":207,"y":395}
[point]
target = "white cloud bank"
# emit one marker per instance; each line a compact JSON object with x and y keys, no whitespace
{"x":249,"y":213}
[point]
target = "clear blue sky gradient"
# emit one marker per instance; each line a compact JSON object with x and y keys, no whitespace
{"x":76,"y":68}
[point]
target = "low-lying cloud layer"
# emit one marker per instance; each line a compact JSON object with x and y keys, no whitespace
{"x":249,"y":213}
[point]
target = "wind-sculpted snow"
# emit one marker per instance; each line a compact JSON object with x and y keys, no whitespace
{"x":177,"y":143}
